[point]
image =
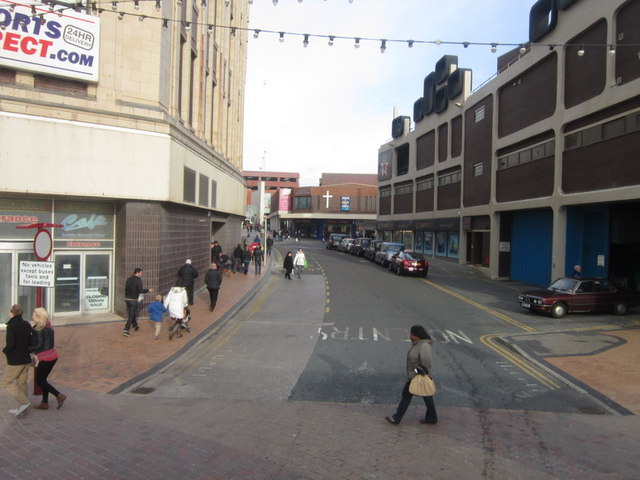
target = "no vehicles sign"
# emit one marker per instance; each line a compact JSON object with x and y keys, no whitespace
{"x":37,"y":274}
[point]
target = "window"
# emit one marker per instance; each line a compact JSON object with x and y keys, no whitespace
{"x":449,"y":178}
{"x":479,"y":114}
{"x":203,"y":191}
{"x":302,"y":203}
{"x":424,"y":185}
{"x":478,"y":169}
{"x":189,"y":186}
{"x":402,"y":159}
{"x":404,"y":189}
{"x":385,"y":192}
{"x":214,"y":194}
{"x":537,"y":152}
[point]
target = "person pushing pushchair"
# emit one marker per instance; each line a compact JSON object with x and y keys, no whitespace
{"x":177,"y":303}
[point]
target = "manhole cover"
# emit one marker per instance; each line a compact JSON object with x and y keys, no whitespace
{"x":143,"y":390}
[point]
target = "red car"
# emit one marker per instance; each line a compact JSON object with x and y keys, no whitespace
{"x":409,"y":263}
{"x":588,"y":294}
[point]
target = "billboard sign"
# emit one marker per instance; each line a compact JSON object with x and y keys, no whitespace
{"x":64,"y":43}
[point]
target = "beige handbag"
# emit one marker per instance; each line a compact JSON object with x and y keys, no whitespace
{"x":422,"y":385}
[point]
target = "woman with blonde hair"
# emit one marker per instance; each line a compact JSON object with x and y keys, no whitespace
{"x":46,"y":357}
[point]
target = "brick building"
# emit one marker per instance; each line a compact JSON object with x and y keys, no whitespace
{"x":537,"y":169}
{"x":129,"y":134}
{"x":338,"y":205}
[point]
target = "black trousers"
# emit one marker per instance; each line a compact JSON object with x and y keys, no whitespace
{"x":132,"y":311}
{"x":42,"y":372}
{"x":213,"y":297}
{"x":189,"y":289}
{"x":430,"y":416}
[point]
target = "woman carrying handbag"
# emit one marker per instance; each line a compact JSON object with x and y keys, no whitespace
{"x":418,"y":356}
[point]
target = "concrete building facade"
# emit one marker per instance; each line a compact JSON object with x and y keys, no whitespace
{"x":129,"y":138}
{"x":537,"y":169}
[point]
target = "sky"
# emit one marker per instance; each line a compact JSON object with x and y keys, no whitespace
{"x":329,"y":108}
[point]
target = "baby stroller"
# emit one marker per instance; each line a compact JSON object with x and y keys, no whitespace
{"x":180,"y":324}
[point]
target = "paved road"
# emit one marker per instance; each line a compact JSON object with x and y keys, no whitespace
{"x":222,"y":412}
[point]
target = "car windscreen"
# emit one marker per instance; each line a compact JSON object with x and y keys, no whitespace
{"x":414,"y":256}
{"x":394,"y":248}
{"x":563,"y":285}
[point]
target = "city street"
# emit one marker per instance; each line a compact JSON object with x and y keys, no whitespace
{"x":297,"y":383}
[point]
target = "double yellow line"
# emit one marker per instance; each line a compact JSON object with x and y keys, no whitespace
{"x":489,"y":340}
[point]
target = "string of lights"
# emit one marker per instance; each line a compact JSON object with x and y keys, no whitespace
{"x":45,"y":8}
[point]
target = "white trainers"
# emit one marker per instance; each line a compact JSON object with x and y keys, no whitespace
{"x":21,"y":409}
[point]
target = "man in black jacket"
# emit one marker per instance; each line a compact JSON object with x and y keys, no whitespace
{"x":132,"y":290}
{"x":188,"y":274}
{"x":18,"y":359}
{"x":213,"y":281}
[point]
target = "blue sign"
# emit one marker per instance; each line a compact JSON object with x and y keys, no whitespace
{"x":345,"y":204}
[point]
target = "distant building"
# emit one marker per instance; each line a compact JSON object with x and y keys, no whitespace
{"x":537,"y":170}
{"x":315,"y":212}
{"x":273,"y":181}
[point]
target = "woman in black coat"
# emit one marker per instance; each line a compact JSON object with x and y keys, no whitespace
{"x":288,"y":265}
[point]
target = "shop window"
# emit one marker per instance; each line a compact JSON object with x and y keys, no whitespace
{"x":302,"y":203}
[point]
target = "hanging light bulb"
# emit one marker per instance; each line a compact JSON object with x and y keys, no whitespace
{"x":612,"y":49}
{"x":158,"y":5}
{"x":305,"y":42}
{"x":233,"y":32}
{"x":187,"y":26}
{"x":114,"y":6}
{"x":438,"y":42}
{"x":581,"y":51}
{"x":281,"y":39}
{"x":165,"y":22}
{"x":299,"y":1}
{"x":256,"y":33}
{"x":410,"y":43}
{"x":522,"y":50}
{"x":275,"y":2}
{"x":494,"y":47}
{"x":209,"y":29}
{"x":120,"y":15}
{"x":465,"y":44}
{"x":250,"y":2}
{"x":383,"y":46}
{"x":357,"y":43}
{"x":136,"y":4}
{"x":331,"y":39}
{"x":551,"y":47}
{"x":141,"y":18}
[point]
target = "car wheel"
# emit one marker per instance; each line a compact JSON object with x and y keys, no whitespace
{"x":558,"y":310}
{"x":620,"y":308}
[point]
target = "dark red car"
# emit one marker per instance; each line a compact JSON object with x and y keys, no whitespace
{"x":409,"y":263}
{"x":588,"y":294}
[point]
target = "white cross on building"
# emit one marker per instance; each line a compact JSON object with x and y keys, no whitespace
{"x":327,"y":196}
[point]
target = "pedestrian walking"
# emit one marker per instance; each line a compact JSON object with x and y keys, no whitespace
{"x":18,"y":339}
{"x":225,"y":265}
{"x":237,"y":258}
{"x":246,"y":259}
{"x":156,"y":313}
{"x":288,"y":265}
{"x":299,"y":261}
{"x":43,"y":347}
{"x":269,"y":245}
{"x":213,"y":281}
{"x":176,"y":302}
{"x":216,"y":251}
{"x":258,"y":256}
{"x":188,"y":274}
{"x":133,"y":295}
{"x":418,"y":357}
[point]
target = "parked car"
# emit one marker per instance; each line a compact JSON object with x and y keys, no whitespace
{"x":371,"y":249}
{"x":387,"y":250}
{"x":588,"y":294}
{"x":346,"y":244}
{"x":409,"y":263}
{"x":359,"y":246}
{"x":334,"y":240}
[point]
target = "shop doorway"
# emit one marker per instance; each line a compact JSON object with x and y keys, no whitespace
{"x":82,"y":283}
{"x":10,"y":290}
